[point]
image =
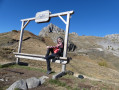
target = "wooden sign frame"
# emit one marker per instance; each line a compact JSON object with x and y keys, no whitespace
{"x":25,"y":23}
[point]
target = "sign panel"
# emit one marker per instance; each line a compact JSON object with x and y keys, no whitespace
{"x":42,"y":16}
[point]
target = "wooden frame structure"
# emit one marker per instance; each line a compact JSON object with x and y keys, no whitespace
{"x":63,"y":60}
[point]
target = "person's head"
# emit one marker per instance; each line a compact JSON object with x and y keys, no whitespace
{"x":60,"y":40}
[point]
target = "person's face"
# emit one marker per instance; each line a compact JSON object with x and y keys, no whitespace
{"x":59,"y":40}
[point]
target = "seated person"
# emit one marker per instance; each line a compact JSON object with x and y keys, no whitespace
{"x":56,"y":51}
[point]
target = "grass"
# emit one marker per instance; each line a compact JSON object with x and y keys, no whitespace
{"x":57,"y":82}
{"x":28,"y":68}
{"x":0,"y":66}
{"x":7,"y":65}
{"x":17,"y":89}
{"x":103,"y":63}
{"x":13,"y":65}
{"x":62,"y":84}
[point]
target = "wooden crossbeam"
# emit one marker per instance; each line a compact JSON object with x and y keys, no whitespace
{"x":61,"y":60}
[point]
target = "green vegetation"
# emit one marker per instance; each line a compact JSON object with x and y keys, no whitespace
{"x":7,"y":65}
{"x":62,"y":84}
{"x":13,"y":65}
{"x":14,"y":31}
{"x":0,"y":66}
{"x":28,"y":68}
{"x":2,"y":89}
{"x":103,"y":63}
{"x":16,"y":89}
{"x":57,"y":82}
{"x":112,"y":48}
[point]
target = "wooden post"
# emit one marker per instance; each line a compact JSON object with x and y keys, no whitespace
{"x":20,"y":40}
{"x":21,"y":37}
{"x":66,"y":41}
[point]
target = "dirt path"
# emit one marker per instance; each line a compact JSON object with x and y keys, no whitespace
{"x":96,"y":79}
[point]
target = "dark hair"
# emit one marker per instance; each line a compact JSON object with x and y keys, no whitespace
{"x":61,"y":49}
{"x":61,"y":39}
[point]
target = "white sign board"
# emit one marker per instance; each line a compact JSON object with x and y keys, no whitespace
{"x":42,"y":16}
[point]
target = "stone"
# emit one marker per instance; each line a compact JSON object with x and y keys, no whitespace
{"x":20,"y":84}
{"x":2,"y":79}
{"x":70,"y":72}
{"x":51,"y":28}
{"x":33,"y":82}
{"x":81,"y":76}
{"x":71,"y":47}
{"x":42,"y":79}
{"x":74,"y":33}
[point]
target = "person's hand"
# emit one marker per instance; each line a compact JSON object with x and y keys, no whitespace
{"x":48,"y":46}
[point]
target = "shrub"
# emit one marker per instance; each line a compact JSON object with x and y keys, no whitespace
{"x":103,"y":63}
{"x":112,"y":48}
{"x":14,"y":31}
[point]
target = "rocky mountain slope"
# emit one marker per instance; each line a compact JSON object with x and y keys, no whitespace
{"x":96,"y":57}
{"x":90,"y":51}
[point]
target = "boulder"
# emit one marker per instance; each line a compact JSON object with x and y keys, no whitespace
{"x":20,"y":84}
{"x":42,"y":79}
{"x":33,"y":82}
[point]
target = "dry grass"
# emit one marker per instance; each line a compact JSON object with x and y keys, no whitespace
{"x":90,"y":65}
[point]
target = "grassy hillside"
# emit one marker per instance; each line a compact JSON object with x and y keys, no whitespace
{"x":90,"y":58}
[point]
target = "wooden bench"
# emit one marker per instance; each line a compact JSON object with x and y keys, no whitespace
{"x":61,"y":60}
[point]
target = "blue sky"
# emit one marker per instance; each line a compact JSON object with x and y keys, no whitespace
{"x":91,"y":17}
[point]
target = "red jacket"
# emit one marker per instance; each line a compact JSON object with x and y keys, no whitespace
{"x":57,"y":47}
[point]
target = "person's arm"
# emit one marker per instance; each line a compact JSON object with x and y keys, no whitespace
{"x":57,"y":46}
{"x":51,"y":46}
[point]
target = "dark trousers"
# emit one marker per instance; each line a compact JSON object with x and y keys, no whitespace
{"x":48,"y":57}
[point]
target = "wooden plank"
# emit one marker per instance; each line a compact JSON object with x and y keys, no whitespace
{"x":52,"y":15}
{"x":61,"y":14}
{"x":25,"y":54}
{"x":40,"y":59}
{"x":62,"y":19}
{"x":66,"y":41}
{"x":35,"y":55}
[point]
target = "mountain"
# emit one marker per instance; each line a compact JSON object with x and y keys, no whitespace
{"x":91,"y":53}
{"x":96,"y":57}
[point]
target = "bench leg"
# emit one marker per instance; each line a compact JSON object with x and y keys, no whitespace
{"x":63,"y":67}
{"x":58,"y":75}
{"x":17,"y":60}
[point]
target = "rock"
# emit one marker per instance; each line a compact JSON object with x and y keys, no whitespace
{"x":42,"y":79}
{"x":81,"y":76}
{"x":74,"y":33}
{"x":20,"y":84}
{"x":33,"y":82}
{"x":113,"y":37}
{"x":70,"y":72}
{"x":71,"y":47}
{"x":54,"y":32}
{"x":2,"y":79}
{"x":28,"y":83}
{"x":51,"y":28}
